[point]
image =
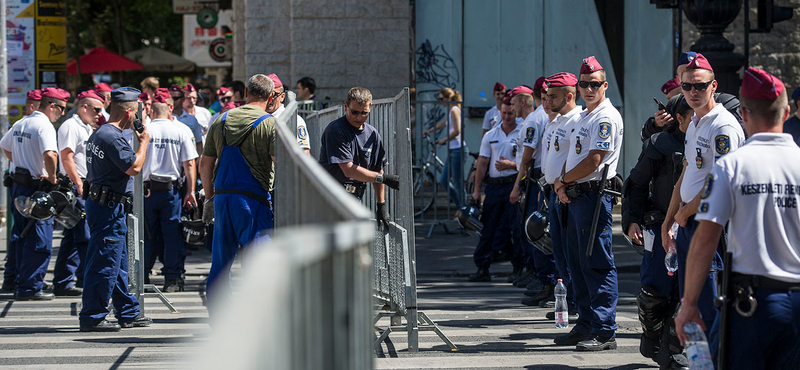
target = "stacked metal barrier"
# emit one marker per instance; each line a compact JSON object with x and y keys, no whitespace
{"x":311,"y":307}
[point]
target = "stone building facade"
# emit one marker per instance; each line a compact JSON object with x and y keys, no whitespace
{"x":339,"y":43}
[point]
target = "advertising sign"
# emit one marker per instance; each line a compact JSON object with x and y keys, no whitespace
{"x":208,"y":47}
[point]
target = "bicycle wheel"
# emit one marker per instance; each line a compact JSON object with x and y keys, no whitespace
{"x":424,"y":180}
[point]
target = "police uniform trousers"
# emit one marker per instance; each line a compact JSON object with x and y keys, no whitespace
{"x":561,"y":237}
{"x":72,"y":253}
{"x":594,"y":278}
{"x":33,"y":251}
{"x":705,"y":302}
{"x":653,"y":271}
{"x":162,"y":212}
{"x":238,"y":219}
{"x":106,"y":272}
{"x":10,"y":272}
{"x":770,"y":339}
{"x":498,"y":209}
{"x":536,"y":260}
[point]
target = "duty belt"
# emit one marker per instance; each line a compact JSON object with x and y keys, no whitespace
{"x":743,"y":286}
{"x":574,"y":191}
{"x":501,"y":180}
{"x":356,"y":189}
{"x":22,"y":176}
{"x":103,"y":195}
{"x":160,"y":186}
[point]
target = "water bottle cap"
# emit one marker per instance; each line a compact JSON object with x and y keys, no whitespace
{"x":559,"y":280}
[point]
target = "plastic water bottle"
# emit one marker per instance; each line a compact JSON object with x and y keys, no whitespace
{"x":561,"y":309}
{"x":671,"y":260}
{"x":697,"y":348}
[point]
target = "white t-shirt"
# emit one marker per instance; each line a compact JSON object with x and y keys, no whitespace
{"x":73,"y":134}
{"x":453,"y":143}
{"x":756,"y":188}
{"x":492,"y":118}
{"x":496,"y":144}
{"x":171,"y":144}
{"x":542,"y":119}
{"x":556,"y":140}
{"x":203,"y":117}
{"x":27,"y":141}
{"x":302,"y":129}
{"x":718,"y":128}
{"x":599,"y":130}
{"x":530,"y":136}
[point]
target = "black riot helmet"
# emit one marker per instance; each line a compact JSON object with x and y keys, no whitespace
{"x":537,"y":230}
{"x":469,"y":218}
{"x":40,"y":206}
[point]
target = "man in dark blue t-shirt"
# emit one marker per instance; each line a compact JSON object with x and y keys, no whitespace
{"x":111,"y":163}
{"x":352,"y":152}
{"x":792,"y":125}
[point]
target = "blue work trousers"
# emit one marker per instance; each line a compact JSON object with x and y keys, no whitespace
{"x":595,"y":277}
{"x":72,"y":253}
{"x":452,"y":176}
{"x":33,"y":250}
{"x":498,"y":209}
{"x":162,"y":211}
{"x":705,"y":302}
{"x":653,"y":271}
{"x":543,"y":264}
{"x":562,"y":237}
{"x":106,"y":272}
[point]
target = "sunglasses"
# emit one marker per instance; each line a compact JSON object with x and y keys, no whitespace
{"x":593,"y":84}
{"x":357,"y":113}
{"x":699,"y":86}
{"x":96,"y":109}
{"x":60,"y":107}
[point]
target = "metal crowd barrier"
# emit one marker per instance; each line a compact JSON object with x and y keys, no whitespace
{"x":316,"y":122}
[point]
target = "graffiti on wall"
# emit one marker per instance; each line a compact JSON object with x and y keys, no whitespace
{"x":435,"y":66}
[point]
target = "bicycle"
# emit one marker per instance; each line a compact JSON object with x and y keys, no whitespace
{"x":430,"y":171}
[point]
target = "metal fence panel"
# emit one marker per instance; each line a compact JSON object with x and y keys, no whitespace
{"x":317,"y":121}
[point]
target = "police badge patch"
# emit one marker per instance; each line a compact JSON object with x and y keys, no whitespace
{"x":302,"y":133}
{"x":722,"y":144}
{"x":555,"y":143}
{"x":529,"y":134}
{"x":605,"y":130}
{"x":707,"y":186}
{"x":703,"y":208}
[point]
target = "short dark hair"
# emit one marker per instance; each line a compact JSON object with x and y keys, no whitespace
{"x":237,"y":86}
{"x":771,"y":112}
{"x":308,"y":83}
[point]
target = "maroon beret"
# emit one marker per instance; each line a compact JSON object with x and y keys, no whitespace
{"x":276,"y":80}
{"x":759,"y":85}
{"x":175,"y":88}
{"x":102,"y":87}
{"x":521,"y":90}
{"x":590,"y":65}
{"x":223,"y":91}
{"x":144,"y":96}
{"x":539,"y":84}
{"x":700,"y":62}
{"x":92,"y":94}
{"x":560,"y":79}
{"x":189,"y":88}
{"x":229,"y":106}
{"x":498,"y":86}
{"x":35,"y":94}
{"x":55,"y":93}
{"x":670,"y":85}
{"x":161,"y":96}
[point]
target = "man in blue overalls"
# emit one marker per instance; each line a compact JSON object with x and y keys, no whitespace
{"x":31,"y":145}
{"x":237,"y":174}
{"x":108,"y":191}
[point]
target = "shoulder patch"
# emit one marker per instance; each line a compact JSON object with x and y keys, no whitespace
{"x":603,"y":145}
{"x":604,"y":130}
{"x":707,"y":186}
{"x":703,"y":208}
{"x":722,"y":144}
{"x":302,"y":133}
{"x":529,"y":134}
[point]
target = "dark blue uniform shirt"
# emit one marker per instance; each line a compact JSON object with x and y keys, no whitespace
{"x":792,"y":127}
{"x":108,"y":156}
{"x":343,"y":143}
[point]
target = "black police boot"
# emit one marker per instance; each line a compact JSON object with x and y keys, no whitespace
{"x":9,"y":286}
{"x":570,"y":339}
{"x":69,"y":292}
{"x":140,"y":322}
{"x":677,"y":362}
{"x":545,"y":294}
{"x":514,"y":275}
{"x":103,"y":326}
{"x":41,"y":296}
{"x":524,"y":281}
{"x":172,"y":286}
{"x":482,"y":275}
{"x":596,"y":343}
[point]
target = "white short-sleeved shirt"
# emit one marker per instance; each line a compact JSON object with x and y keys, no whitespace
{"x":599,"y":130}
{"x":542,"y":119}
{"x":191,"y":122}
{"x":171,"y":144}
{"x":714,"y":135}
{"x":496,"y":144}
{"x":302,"y":129}
{"x":492,"y":118}
{"x":27,"y":141}
{"x":556,"y":141}
{"x":530,"y":136}
{"x":73,"y":134}
{"x":757,"y":189}
{"x":203,"y":117}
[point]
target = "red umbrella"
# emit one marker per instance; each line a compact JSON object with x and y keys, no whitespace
{"x":102,"y":60}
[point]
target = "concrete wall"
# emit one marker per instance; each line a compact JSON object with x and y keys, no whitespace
{"x":340,"y":43}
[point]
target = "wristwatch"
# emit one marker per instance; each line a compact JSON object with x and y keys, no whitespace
{"x":562,"y":179}
{"x":379,"y":178}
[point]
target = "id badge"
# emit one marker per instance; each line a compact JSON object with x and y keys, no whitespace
{"x":649,"y":238}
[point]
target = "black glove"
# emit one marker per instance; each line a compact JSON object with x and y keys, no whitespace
{"x":382,"y":215}
{"x":392,"y":181}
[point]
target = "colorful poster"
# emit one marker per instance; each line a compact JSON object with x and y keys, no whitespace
{"x":208,"y":47}
{"x":51,"y":42}
{"x":20,"y":39}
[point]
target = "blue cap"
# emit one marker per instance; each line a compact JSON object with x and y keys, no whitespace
{"x":796,"y":94}
{"x":124,"y":94}
{"x":686,"y":57}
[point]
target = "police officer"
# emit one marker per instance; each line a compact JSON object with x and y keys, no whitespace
{"x":104,"y":89}
{"x":201,"y":114}
{"x":147,"y":104}
{"x":184,"y":117}
{"x":597,"y":143}
{"x":276,"y":108}
{"x":792,"y":125}
{"x":237,"y":187}
{"x":72,"y":137}
{"x":756,"y":190}
{"x":500,"y":142}
{"x":492,"y":117}
{"x":111,"y":163}
{"x":171,"y":147}
{"x":646,"y":198}
{"x":712,"y":133}
{"x":31,"y":145}
{"x":32,"y":100}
